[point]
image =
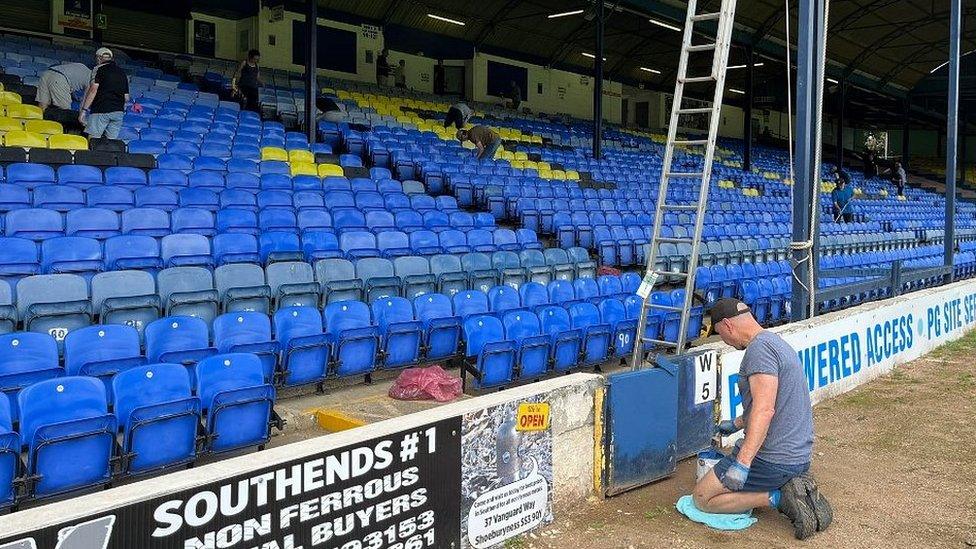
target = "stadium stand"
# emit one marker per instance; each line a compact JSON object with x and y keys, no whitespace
{"x":156,"y":292}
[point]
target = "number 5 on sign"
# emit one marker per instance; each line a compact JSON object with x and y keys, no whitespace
{"x":706,"y":377}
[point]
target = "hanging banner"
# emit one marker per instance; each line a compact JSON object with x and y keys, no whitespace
{"x":77,"y":14}
{"x":506,"y":486}
{"x":394,"y":492}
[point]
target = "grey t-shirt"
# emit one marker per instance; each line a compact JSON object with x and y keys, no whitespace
{"x":77,"y":74}
{"x":465,"y":111}
{"x":789,"y":440}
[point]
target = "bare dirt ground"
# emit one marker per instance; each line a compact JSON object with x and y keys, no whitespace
{"x":896,"y":458}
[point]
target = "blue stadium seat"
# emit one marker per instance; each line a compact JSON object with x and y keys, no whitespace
{"x":60,"y":198}
{"x":614,"y":314}
{"x":561,"y":291}
{"x":26,"y":358}
{"x":116,"y":199}
{"x":158,"y":417}
{"x":95,"y":223}
{"x":179,"y":340}
{"x":180,"y":250}
{"x":566,"y":341}
{"x":491,"y":358}
{"x":102,"y":352}
{"x":10,"y":447}
{"x":160,"y":198}
{"x":34,"y":224}
{"x":14,"y":197}
{"x":533,"y":295}
{"x":400,"y":335}
{"x":31,"y":175}
{"x":145,"y":222}
{"x":247,"y":332}
{"x":523,"y":328}
{"x":82,"y":177}
{"x":596,"y":334}
{"x":68,"y":433}
{"x":305,"y":348}
{"x":356,"y":339}
{"x":236,"y":401}
{"x":442,"y":329}
{"x":18,"y":257}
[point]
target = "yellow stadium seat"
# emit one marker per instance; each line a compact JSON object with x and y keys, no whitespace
{"x":1,"y":86}
{"x":274,"y":153}
{"x":521,"y":155}
{"x":326,"y":170}
{"x":10,"y":98}
{"x":302,"y":168}
{"x":545,"y":173}
{"x":558,"y":174}
{"x":301,"y":157}
{"x":46,"y":127}
{"x":25,"y":139}
{"x":572,"y":174}
{"x":24,"y":111}
{"x":10,"y":124}
{"x":67,"y":142}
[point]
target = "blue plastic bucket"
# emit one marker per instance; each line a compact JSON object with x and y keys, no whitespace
{"x":706,"y":460}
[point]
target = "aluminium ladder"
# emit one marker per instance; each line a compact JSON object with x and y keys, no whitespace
{"x":720,"y":48}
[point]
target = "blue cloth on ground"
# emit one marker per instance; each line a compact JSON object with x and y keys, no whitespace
{"x":718,"y":521}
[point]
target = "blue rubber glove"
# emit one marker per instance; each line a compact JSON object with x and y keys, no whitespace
{"x":735,"y":477}
{"x":728,"y":427}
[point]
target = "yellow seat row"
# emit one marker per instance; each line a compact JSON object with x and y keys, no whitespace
{"x":46,"y":127}
{"x":21,"y":138}
{"x":32,"y":112}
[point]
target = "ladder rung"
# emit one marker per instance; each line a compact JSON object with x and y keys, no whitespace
{"x":706,"y":16}
{"x":660,"y":342}
{"x":671,"y":273}
{"x":673,"y":240}
{"x":701,"y":47}
{"x":694,"y":79}
{"x":697,"y":110}
{"x":691,"y":142}
{"x":687,"y":175}
{"x":669,"y":308}
{"x":680,"y":207}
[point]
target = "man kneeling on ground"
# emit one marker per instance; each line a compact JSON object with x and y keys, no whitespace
{"x":770,"y":466}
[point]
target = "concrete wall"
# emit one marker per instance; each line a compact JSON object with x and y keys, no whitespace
{"x":279,"y":55}
{"x":562,"y":92}
{"x":571,"y":399}
{"x":229,"y":42}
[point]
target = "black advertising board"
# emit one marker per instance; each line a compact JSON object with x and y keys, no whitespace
{"x":395,"y":492}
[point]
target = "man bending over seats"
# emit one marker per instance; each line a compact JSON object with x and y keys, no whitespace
{"x":458,"y":114}
{"x":484,"y":138}
{"x":769,"y":466}
{"x":54,"y":90}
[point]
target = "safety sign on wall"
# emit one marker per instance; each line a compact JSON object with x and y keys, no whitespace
{"x":394,"y":492}
{"x":506,"y":486}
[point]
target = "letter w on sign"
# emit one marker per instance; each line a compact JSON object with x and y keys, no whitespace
{"x":706,"y":377}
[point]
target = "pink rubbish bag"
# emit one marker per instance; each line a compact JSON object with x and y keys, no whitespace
{"x":426,"y":384}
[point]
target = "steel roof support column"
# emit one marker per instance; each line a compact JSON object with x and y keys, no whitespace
{"x":841,"y":115}
{"x":598,"y":85}
{"x":311,"y":66}
{"x":906,"y":132}
{"x":747,"y":119}
{"x":808,"y":90}
{"x":952,"y":127}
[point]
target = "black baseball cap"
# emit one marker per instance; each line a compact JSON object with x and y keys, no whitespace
{"x":728,"y":308}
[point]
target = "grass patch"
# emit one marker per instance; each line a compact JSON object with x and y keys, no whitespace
{"x":515,"y":543}
{"x":657,"y":512}
{"x":864,"y":400}
{"x":598,"y":525}
{"x":967,"y":381}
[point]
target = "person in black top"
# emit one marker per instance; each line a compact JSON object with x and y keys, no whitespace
{"x":383,"y":68}
{"x":514,"y":95}
{"x":104,"y":103}
{"x":246,"y":81}
{"x":439,"y":77}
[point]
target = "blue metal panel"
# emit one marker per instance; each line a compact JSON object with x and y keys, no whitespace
{"x":696,"y":423}
{"x":952,"y":128}
{"x":641,"y":428}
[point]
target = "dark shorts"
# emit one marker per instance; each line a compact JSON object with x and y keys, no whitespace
{"x":764,"y":476}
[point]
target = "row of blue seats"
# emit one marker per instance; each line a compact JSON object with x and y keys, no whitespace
{"x":69,"y":438}
{"x":181,"y":172}
{"x":65,"y":198}
{"x":79,"y":254}
{"x":59,"y":303}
